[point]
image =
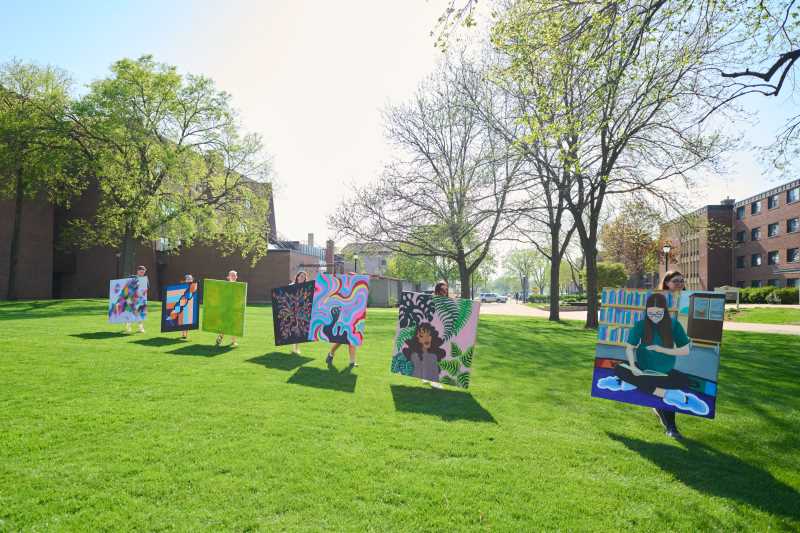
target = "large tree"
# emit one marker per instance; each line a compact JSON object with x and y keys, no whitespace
{"x":631,"y":238}
{"x":621,"y":99}
{"x":171,"y":163}
{"x":38,"y":159}
{"x":450,"y":191}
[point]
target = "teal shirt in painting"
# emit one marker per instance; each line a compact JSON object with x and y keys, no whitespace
{"x":649,"y":360}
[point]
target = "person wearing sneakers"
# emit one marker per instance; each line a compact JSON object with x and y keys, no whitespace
{"x":300,"y":277}
{"x":674,"y":282}
{"x":335,"y":346}
{"x":187,"y":278}
{"x":141,"y":271}
{"x":232,"y":276}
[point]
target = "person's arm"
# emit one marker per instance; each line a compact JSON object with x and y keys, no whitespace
{"x":683,"y":344}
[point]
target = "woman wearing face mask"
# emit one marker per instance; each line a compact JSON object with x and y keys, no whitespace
{"x":654,"y":344}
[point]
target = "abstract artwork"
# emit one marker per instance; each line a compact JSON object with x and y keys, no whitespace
{"x":339,"y":310}
{"x":659,"y":349}
{"x":435,"y":338}
{"x":180,"y":307}
{"x":291,"y":312}
{"x":223,"y":306}
{"x":127,"y":300}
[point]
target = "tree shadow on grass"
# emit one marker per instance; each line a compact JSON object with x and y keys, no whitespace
{"x":446,"y":404}
{"x":280,"y":360}
{"x":100,"y":335}
{"x":26,"y":309}
{"x":201,"y":350}
{"x":157,"y":341}
{"x":713,"y":472}
{"x":324,"y":379}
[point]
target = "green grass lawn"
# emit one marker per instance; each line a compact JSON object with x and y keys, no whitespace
{"x":764,"y":315}
{"x":101,"y":430}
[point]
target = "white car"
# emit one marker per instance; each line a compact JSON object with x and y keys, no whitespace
{"x":489,"y":297}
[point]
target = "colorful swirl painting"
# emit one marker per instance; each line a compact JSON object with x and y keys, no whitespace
{"x":180,"y":307}
{"x":339,"y":310}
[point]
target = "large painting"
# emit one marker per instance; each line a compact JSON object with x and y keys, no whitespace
{"x":127,"y":300}
{"x":223,"y":306}
{"x":291,"y":312}
{"x":339,"y":309}
{"x":180,"y":307}
{"x":435,"y":338}
{"x":659,"y":349}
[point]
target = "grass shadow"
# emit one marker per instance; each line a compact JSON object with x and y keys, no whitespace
{"x":280,"y":360}
{"x":324,"y":379}
{"x":201,"y":350}
{"x":447,"y":404}
{"x":26,"y":309}
{"x":100,"y":335}
{"x":716,"y":473}
{"x":158,"y":341}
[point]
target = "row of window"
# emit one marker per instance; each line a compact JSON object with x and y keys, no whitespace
{"x":792,"y":226}
{"x":792,"y":282}
{"x":773,"y":258}
{"x":792,"y":195}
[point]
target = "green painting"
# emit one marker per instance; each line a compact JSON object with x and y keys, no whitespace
{"x":223,"y":306}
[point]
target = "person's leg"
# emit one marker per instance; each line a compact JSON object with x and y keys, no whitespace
{"x":352,"y":349}
{"x":233,"y":342}
{"x":127,"y":327}
{"x":141,"y":327}
{"x":331,"y":352}
{"x":296,"y":349}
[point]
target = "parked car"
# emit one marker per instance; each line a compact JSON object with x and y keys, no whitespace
{"x":489,"y":297}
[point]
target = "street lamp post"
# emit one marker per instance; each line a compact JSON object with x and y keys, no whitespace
{"x":667,"y":248}
{"x":355,"y":259}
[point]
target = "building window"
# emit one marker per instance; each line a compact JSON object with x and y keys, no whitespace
{"x":793,"y":195}
{"x":755,"y":207}
{"x":755,"y":283}
{"x":740,"y":213}
{"x":740,"y":261}
{"x":792,"y":225}
{"x":755,"y":234}
{"x":755,"y":260}
{"x":772,"y":282}
{"x":792,"y":282}
{"x":793,"y":255}
{"x":740,"y":284}
{"x":772,"y":202}
{"x":740,"y":236}
{"x":773,"y":258}
{"x":772,"y":230}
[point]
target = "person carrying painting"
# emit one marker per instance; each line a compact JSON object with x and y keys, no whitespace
{"x":335,"y":346}
{"x":653,"y":346}
{"x":674,"y":282}
{"x":300,"y":277}
{"x":232,"y":276}
{"x":440,"y":289}
{"x":141,"y":271}
{"x":187,"y":278}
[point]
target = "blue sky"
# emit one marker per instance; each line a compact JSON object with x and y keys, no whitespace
{"x":310,"y":76}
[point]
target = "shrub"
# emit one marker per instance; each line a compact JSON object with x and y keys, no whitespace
{"x":786,"y":295}
{"x":755,"y":295}
{"x":539,"y":299}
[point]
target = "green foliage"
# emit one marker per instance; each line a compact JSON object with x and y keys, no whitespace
{"x":401,"y":365}
{"x":171,"y":162}
{"x":36,"y":146}
{"x":610,"y":274}
{"x":450,"y":366}
{"x":760,"y":295}
{"x":632,"y":238}
{"x":402,"y":336}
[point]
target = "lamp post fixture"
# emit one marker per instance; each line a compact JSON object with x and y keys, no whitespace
{"x":355,"y":259}
{"x":667,"y":248}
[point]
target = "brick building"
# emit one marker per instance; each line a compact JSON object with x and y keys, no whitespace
{"x":46,"y":272}
{"x":754,"y":242}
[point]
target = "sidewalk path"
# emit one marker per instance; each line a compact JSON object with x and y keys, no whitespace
{"x":514,"y":309}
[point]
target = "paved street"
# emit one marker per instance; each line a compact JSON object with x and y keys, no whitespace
{"x":517,"y":309}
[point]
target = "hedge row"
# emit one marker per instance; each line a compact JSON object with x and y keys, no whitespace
{"x":750,"y":295}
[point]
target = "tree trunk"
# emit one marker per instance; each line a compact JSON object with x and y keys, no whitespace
{"x":13,"y":257}
{"x":555,"y":269}
{"x":128,"y":253}
{"x":464,"y":276}
{"x":590,"y":254}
